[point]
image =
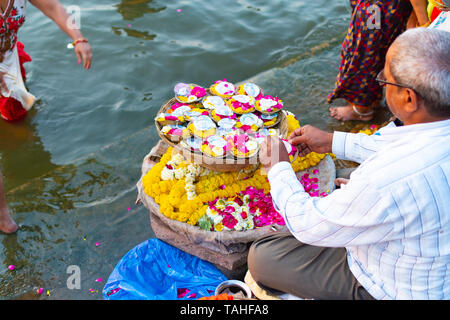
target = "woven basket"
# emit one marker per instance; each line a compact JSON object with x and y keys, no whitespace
{"x":226,"y":164}
{"x":224,"y":242}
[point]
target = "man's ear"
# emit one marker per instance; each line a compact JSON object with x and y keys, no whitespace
{"x":411,"y":100}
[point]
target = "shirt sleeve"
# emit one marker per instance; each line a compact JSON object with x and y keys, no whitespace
{"x":357,"y":147}
{"x":350,"y":216}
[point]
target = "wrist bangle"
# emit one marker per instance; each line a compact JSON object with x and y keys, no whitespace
{"x":73,"y":44}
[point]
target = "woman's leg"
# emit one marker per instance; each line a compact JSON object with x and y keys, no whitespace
{"x":280,"y":262}
{"x":7,"y":224}
{"x":363,"y":56}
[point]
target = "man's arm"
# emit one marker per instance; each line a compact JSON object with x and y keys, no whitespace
{"x":350,"y":216}
{"x":355,"y":147}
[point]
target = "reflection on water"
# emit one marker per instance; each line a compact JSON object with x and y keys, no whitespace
{"x":144,"y":35}
{"x":133,"y":9}
{"x":22,"y":156}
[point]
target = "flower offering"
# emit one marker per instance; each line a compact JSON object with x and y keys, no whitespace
{"x":223,"y":112}
{"x":223,"y":88}
{"x":241,"y":104}
{"x":202,"y":127}
{"x":263,"y":133}
{"x":243,"y":145}
{"x":169,"y":119}
{"x":269,"y":120}
{"x":175,"y":132}
{"x":213,"y":102}
{"x":249,"y":122}
{"x":216,"y":146}
{"x":192,"y":143}
{"x":189,"y":93}
{"x":250,"y":89}
{"x":269,"y":104}
{"x":226,"y":126}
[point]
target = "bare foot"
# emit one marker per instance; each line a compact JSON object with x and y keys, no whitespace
{"x":7,"y":224}
{"x":348,"y":113}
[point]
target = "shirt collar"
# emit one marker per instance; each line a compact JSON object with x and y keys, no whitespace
{"x":435,"y":127}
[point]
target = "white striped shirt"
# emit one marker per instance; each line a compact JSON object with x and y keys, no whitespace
{"x":392,"y":216}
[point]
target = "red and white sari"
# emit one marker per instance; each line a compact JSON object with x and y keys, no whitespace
{"x":16,"y":100}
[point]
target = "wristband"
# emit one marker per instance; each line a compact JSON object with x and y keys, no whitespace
{"x":73,"y":44}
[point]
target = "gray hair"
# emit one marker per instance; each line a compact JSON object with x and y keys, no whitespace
{"x":421,"y":59}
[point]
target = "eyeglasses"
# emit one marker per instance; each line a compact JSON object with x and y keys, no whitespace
{"x":381,"y":78}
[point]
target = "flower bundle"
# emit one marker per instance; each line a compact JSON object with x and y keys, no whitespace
{"x":250,"y":89}
{"x":175,"y":132}
{"x":242,"y":144}
{"x":202,"y":127}
{"x":241,"y":104}
{"x":169,"y":118}
{"x":223,"y":113}
{"x":188,"y":93}
{"x":269,"y":104}
{"x":223,"y":88}
{"x":196,"y":112}
{"x":249,"y":122}
{"x":269,"y":120}
{"x":216,"y":146}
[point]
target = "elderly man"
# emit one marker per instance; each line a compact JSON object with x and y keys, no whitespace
{"x":385,"y":234}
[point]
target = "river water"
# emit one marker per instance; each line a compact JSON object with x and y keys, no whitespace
{"x":71,"y":167}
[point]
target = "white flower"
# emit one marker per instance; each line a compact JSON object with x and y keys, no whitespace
{"x":166,"y":174}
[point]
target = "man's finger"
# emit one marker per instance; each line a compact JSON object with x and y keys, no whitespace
{"x":298,"y":140}
{"x":304,"y":152}
{"x":295,"y":133}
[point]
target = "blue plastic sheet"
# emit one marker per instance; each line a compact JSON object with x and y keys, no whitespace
{"x":155,"y":270}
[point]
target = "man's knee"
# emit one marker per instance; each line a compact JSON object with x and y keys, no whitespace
{"x":257,"y":255}
{"x":261,"y":257}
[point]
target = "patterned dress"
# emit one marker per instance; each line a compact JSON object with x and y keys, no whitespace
{"x":365,"y":47}
{"x":15,"y":101}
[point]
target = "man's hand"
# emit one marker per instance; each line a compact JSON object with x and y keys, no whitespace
{"x":309,"y":138}
{"x":272,"y":151}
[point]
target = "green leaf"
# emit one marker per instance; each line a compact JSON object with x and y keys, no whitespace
{"x":205,"y":223}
